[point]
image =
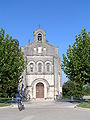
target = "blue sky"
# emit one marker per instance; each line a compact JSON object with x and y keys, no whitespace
{"x":61,"y":20}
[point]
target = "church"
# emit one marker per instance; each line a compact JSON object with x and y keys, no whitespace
{"x":42,"y":77}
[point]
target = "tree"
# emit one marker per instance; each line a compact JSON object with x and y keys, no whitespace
{"x":69,"y":89}
{"x":11,"y":65}
{"x":87,"y":89}
{"x":76,"y":64}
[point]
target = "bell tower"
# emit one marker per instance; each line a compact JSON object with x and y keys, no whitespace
{"x":39,"y":35}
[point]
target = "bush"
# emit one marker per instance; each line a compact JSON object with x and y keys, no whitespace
{"x":72,"y":89}
{"x":3,"y":100}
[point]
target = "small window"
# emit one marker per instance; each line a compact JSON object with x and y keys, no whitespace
{"x":44,"y":49}
{"x":39,"y":49}
{"x":39,"y":67}
{"x":35,"y":49}
{"x":40,"y":37}
{"x":31,"y":67}
{"x":48,"y":67}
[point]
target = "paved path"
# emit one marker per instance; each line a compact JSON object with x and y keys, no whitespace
{"x":45,"y":111}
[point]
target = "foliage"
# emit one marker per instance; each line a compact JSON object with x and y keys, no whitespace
{"x":11,"y":65}
{"x":70,"y":88}
{"x":76,"y":64}
{"x":5,"y":99}
{"x":87,"y":89}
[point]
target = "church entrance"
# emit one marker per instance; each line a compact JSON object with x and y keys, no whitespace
{"x":39,"y":90}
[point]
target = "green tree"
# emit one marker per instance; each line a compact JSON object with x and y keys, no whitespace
{"x":69,"y":89}
{"x":11,"y":65}
{"x":87,"y":89}
{"x":76,"y":64}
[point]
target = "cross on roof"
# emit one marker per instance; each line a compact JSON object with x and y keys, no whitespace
{"x":39,"y":25}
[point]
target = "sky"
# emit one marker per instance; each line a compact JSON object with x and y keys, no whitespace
{"x":62,"y":20}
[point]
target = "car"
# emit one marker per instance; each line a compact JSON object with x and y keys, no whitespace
{"x":12,"y":101}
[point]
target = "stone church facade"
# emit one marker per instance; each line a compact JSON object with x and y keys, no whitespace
{"x":42,"y":76}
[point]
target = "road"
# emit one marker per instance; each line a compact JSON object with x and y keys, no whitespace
{"x":45,"y":111}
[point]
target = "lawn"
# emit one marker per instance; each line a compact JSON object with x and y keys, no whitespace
{"x":4,"y":104}
{"x":84,"y":105}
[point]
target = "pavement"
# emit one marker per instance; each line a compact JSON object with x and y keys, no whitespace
{"x":50,"y":110}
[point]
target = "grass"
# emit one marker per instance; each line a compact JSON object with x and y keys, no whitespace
{"x":84,"y":105}
{"x":4,"y":104}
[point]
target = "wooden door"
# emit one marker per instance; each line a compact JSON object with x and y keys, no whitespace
{"x":40,"y":90}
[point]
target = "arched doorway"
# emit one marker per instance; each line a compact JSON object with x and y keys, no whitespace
{"x":39,"y":90}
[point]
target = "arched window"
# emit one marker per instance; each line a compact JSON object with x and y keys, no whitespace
{"x":31,"y":67}
{"x":48,"y":67}
{"x":40,"y":37}
{"x":39,"y":67}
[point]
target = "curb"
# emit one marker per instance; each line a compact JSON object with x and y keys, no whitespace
{"x":83,"y":108}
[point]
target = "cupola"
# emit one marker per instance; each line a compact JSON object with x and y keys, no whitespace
{"x":39,"y":35}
